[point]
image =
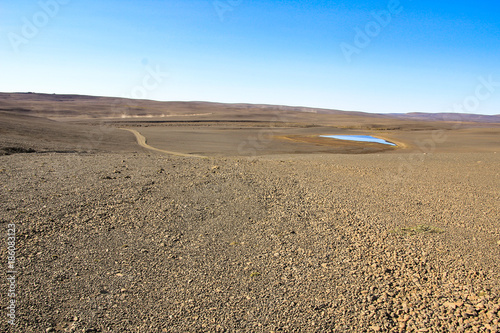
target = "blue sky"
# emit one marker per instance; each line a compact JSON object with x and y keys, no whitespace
{"x":372,"y":56}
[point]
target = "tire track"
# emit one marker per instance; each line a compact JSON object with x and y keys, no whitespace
{"x":141,"y":140}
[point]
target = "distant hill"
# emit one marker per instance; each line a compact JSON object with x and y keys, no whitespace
{"x":463,"y":117}
{"x":81,"y":107}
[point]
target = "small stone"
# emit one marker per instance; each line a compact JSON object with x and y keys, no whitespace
{"x":404,"y":318}
{"x":450,"y":305}
{"x":50,"y":329}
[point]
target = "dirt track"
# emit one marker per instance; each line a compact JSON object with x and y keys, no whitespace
{"x":141,"y":141}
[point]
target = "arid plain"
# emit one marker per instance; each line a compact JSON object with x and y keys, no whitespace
{"x":241,"y":218}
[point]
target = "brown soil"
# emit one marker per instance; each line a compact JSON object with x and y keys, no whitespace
{"x":264,"y":235}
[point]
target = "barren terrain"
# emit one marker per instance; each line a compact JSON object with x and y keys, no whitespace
{"x":271,"y":230}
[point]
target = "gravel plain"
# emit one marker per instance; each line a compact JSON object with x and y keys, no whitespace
{"x":147,"y":242}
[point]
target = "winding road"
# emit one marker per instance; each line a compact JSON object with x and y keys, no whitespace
{"x":141,"y":140}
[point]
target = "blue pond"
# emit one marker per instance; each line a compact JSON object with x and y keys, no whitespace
{"x":363,"y":138}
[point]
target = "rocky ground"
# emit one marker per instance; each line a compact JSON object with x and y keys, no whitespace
{"x":144,"y":242}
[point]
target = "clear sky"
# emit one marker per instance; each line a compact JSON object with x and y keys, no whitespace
{"x":373,"y":56}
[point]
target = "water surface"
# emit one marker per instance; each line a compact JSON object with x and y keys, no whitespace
{"x":362,"y":138}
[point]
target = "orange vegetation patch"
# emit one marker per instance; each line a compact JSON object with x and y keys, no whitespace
{"x":339,"y":146}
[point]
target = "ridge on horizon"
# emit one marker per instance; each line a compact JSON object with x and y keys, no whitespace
{"x":416,"y":115}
